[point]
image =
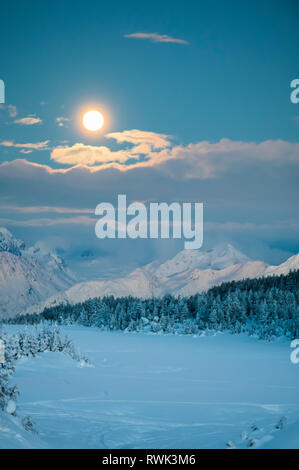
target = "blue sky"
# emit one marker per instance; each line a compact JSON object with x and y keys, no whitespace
{"x":212,"y":80}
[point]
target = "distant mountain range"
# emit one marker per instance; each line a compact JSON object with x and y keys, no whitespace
{"x":28,"y":275}
{"x":34,"y":273}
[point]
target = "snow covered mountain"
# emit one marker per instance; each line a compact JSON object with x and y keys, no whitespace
{"x":32,"y":278}
{"x":290,"y":264}
{"x":188,"y":273}
{"x":9,"y":243}
{"x":48,"y":259}
{"x":219,"y":258}
{"x":28,"y":275}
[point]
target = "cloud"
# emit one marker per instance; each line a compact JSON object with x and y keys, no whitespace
{"x":155,"y":37}
{"x":45,"y":209}
{"x":235,"y":173}
{"x":209,"y":226}
{"x":10,"y":108}
{"x":25,"y":151}
{"x":143,"y":143}
{"x":138,"y":137}
{"x":28,"y":146}
{"x":88,"y":155}
{"x":48,"y":222}
{"x":253,"y":227}
{"x":28,"y":121}
{"x":61,"y":121}
{"x":251,"y":200}
{"x":201,"y":160}
{"x":206,"y":160}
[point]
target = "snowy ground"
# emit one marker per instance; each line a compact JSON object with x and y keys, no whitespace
{"x":152,"y":391}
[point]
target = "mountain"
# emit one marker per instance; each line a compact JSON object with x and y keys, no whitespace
{"x":290,"y":264}
{"x":48,"y":259}
{"x":199,"y":281}
{"x":219,"y":258}
{"x":28,"y":275}
{"x":187,"y":273}
{"x":9,"y":243}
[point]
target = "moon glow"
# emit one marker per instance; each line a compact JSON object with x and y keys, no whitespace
{"x":93,"y":120}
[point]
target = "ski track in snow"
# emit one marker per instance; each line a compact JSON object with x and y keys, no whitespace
{"x":155,"y":391}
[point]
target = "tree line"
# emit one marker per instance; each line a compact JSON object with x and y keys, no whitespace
{"x":266,"y":307}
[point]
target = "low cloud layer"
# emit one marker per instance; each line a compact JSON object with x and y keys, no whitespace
{"x":249,"y":190}
{"x":203,"y":160}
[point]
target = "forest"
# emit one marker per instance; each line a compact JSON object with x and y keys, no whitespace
{"x":264,"y":307}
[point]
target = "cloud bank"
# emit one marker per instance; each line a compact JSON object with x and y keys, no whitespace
{"x":249,"y":190}
{"x":202,"y":160}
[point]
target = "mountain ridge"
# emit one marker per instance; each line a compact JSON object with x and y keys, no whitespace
{"x":27,"y":275}
{"x":182,"y":278}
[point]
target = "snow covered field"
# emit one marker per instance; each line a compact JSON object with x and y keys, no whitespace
{"x":154,"y":391}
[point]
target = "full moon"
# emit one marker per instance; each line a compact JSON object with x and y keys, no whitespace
{"x":93,"y":120}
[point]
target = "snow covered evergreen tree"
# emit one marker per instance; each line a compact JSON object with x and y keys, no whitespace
{"x":265,"y":307}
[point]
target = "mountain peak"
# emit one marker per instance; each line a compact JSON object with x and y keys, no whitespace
{"x":9,"y":243}
{"x":227,"y":255}
{"x":290,"y":264}
{"x":217,"y":258}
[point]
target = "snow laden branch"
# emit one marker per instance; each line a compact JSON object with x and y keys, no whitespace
{"x":30,"y":343}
